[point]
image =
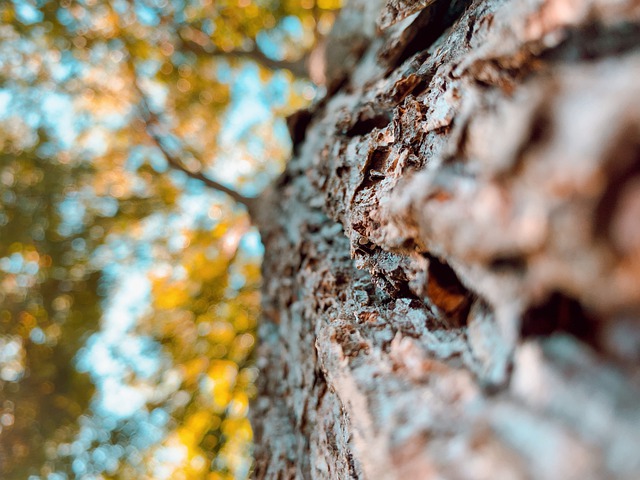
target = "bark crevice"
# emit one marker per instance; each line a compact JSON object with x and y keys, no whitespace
{"x":454,"y":246}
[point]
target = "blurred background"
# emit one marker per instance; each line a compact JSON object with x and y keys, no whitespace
{"x":128,"y":287}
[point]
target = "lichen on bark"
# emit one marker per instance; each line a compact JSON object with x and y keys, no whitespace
{"x":452,"y":268}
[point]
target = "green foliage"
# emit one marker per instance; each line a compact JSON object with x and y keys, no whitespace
{"x":87,"y":198}
{"x":49,"y":302}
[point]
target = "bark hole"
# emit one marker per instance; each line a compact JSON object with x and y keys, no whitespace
{"x":512,"y":263}
{"x":431,"y":23}
{"x":560,"y":313}
{"x":297,"y":124}
{"x":595,"y":41}
{"x":618,"y":209}
{"x":366,"y":124}
{"x":447,"y":293}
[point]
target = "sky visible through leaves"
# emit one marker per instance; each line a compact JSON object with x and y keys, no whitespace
{"x":128,"y":288}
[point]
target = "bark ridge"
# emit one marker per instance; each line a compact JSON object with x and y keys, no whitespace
{"x":452,"y":269}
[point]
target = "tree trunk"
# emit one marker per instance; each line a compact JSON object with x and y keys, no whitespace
{"x":452,"y":268}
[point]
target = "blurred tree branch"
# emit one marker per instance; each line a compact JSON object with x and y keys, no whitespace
{"x":154,"y":127}
{"x":298,"y":68}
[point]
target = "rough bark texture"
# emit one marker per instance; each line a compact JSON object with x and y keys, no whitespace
{"x":452,"y":269}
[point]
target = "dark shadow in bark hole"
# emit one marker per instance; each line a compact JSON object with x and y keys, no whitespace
{"x":505,"y":263}
{"x":343,"y":171}
{"x":623,"y":166}
{"x":431,"y":23}
{"x":411,"y":83}
{"x":447,"y":293}
{"x":375,"y":168}
{"x":560,"y":313}
{"x":595,"y":41}
{"x":470,"y":29}
{"x":365,"y":124}
{"x":540,"y":133}
{"x":297,"y":124}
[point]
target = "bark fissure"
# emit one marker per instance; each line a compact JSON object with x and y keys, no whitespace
{"x":454,"y":248}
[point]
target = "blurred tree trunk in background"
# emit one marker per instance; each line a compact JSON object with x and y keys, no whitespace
{"x":452,"y":277}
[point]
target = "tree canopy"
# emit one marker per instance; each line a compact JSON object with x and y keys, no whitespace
{"x":131,"y":133}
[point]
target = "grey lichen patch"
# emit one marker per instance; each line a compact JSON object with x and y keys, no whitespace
{"x":452,"y":266}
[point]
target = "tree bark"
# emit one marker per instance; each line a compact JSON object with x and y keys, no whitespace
{"x":452,"y":267}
